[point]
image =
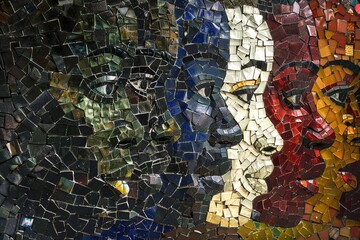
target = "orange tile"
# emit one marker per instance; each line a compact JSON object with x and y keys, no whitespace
{"x":333,"y":45}
{"x":328,"y":34}
{"x":325,"y":51}
{"x":340,"y":51}
{"x":357,"y":54}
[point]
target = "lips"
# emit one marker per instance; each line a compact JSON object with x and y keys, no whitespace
{"x":349,"y":178}
{"x":254,"y":185}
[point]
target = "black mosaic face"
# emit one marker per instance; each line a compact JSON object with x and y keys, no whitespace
{"x":87,"y":84}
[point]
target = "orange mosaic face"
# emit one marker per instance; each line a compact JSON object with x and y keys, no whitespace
{"x":335,"y":93}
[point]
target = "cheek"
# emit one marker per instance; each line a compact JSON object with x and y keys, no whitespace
{"x":273,"y":108}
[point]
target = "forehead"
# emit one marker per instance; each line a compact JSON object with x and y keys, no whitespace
{"x":251,"y":45}
{"x":297,"y":75}
{"x":337,"y":73}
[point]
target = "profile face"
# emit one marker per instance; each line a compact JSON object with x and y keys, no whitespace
{"x":246,"y":77}
{"x":117,"y":98}
{"x":336,"y":97}
{"x":194,"y":97}
{"x":290,"y":106}
{"x":97,"y":100}
{"x":336,"y":94}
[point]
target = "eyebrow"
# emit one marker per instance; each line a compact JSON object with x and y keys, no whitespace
{"x":259,"y":64}
{"x":344,"y":63}
{"x":217,"y":58}
{"x":308,"y":65}
{"x":114,"y":50}
{"x":120,"y":52}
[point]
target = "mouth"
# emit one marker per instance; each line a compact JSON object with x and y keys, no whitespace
{"x":254,"y":185}
{"x":310,"y":184}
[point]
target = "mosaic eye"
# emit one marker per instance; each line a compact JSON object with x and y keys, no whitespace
{"x":338,"y":94}
{"x":139,"y":84}
{"x":293,"y":98}
{"x":205,"y":92}
{"x":205,"y":89}
{"x":106,"y":89}
{"x":105,"y":86}
{"x":245,"y":94}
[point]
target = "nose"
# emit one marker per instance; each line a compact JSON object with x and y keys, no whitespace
{"x":319,"y":135}
{"x":224,"y":131}
{"x":164,"y":129}
{"x":127,"y":133}
{"x":348,"y":119}
{"x":352,"y":132}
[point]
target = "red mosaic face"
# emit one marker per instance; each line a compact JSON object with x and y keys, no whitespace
{"x":290,"y":105}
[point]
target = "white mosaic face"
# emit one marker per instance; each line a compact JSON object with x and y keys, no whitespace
{"x":251,"y":57}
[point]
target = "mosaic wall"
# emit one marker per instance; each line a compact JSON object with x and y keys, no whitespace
{"x":179,"y":119}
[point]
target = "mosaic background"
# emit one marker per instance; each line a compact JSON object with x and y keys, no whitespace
{"x":179,"y":119}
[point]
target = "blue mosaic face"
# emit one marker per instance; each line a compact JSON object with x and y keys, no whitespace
{"x":193,"y":93}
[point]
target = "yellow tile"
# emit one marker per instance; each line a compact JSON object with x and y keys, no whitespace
{"x":224,"y":223}
{"x":325,"y":51}
{"x":328,"y":34}
{"x":327,"y":71}
{"x":349,"y":50}
{"x":233,"y":223}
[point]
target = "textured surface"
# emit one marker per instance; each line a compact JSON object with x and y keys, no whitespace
{"x":179,"y":119}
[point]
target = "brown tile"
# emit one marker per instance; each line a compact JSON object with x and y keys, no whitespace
{"x":332,"y":26}
{"x":321,"y":33}
{"x":340,"y":38}
{"x":341,"y":9}
{"x":357,"y":33}
{"x":320,"y":23}
{"x":341,"y":25}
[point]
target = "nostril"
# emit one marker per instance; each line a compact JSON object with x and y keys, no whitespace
{"x":319,"y":145}
{"x":160,"y":136}
{"x":255,"y":215}
{"x":348,"y":124}
{"x":163,"y":139}
{"x":319,"y":138}
{"x":226,"y":137}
